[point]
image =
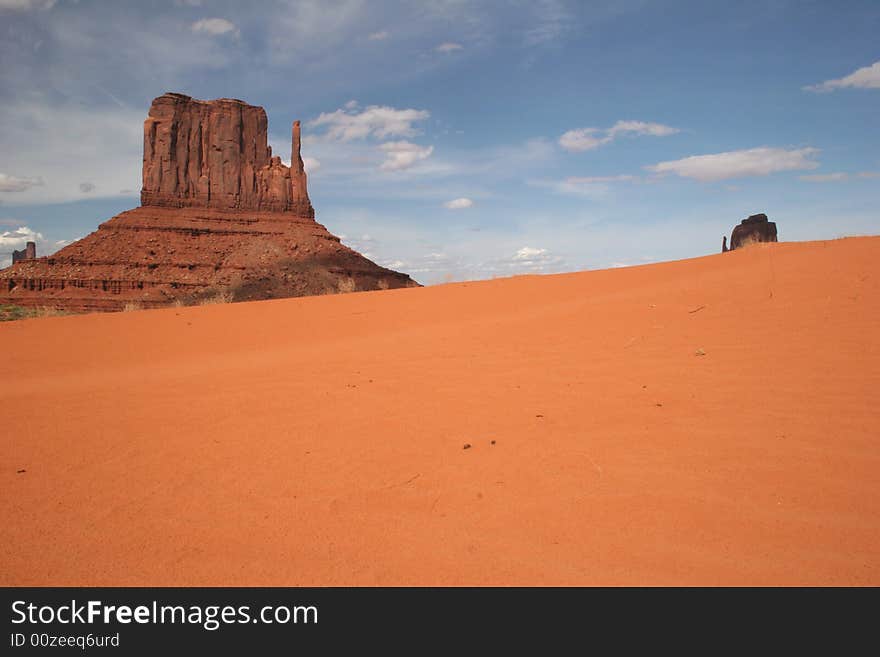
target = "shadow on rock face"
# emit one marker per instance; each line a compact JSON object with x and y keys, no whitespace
{"x":755,"y":228}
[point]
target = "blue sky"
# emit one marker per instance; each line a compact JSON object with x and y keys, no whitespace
{"x":458,"y":140}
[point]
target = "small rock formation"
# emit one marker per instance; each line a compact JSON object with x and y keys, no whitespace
{"x":220,"y":217}
{"x":754,"y":229}
{"x":29,"y":252}
{"x":724,"y":248}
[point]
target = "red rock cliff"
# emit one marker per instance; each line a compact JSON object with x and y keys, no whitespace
{"x":220,"y":219}
{"x":215,"y":154}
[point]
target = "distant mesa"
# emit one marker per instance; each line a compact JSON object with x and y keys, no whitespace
{"x":220,"y":217}
{"x":755,"y":228}
{"x":29,"y":252}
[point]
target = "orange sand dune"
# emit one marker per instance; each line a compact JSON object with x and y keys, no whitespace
{"x":709,"y":421}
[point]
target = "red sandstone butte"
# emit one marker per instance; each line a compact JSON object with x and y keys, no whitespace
{"x":215,"y":154}
{"x":219,"y":215}
{"x":755,"y":228}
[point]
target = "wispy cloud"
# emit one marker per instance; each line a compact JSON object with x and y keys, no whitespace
{"x":641,"y":128}
{"x":376,"y":121}
{"x":528,"y":259}
{"x":838,"y":176}
{"x":441,"y":265}
{"x":379,"y":36}
{"x":739,"y":164}
{"x":592,"y":187}
{"x":551,"y":20}
{"x":825,"y":177}
{"x":448,"y":47}
{"x":458,"y":204}
{"x":17,"y":184}
{"x":585,"y":139}
{"x":104,"y":143}
{"x":403,"y":155}
{"x":867,"y":77}
{"x":309,"y":32}
{"x":26,"y":5}
{"x":215,"y":27}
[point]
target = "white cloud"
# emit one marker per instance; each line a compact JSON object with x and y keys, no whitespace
{"x":311,"y":164}
{"x":585,"y":139}
{"x":214,"y":27}
{"x":18,"y":237}
{"x":458,"y":204}
{"x":594,"y":187}
{"x":377,"y":121}
{"x":825,"y":177}
{"x":867,"y":77}
{"x":403,"y":155}
{"x":527,"y":259}
{"x":448,"y":47}
{"x":17,"y":184}
{"x":739,"y":164}
{"x":379,"y":36}
{"x":641,"y":128}
{"x":529,"y":253}
{"x":26,"y":5}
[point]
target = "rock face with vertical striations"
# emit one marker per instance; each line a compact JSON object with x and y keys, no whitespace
{"x":220,"y":217}
{"x":215,"y":154}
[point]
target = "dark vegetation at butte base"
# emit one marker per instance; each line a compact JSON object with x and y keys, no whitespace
{"x":220,"y":216}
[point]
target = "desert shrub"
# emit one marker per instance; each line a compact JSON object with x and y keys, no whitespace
{"x":224,"y":296}
{"x":13,"y":312}
{"x":48,"y":311}
{"x":346,"y":284}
